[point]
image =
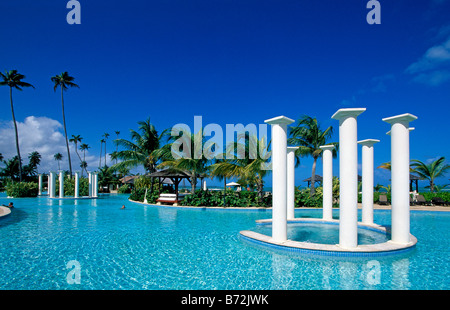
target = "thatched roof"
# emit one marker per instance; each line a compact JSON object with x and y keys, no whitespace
{"x":169,"y":173}
{"x":318,"y":178}
{"x":129,"y":179}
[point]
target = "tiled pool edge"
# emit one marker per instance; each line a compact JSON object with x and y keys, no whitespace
{"x":373,"y":250}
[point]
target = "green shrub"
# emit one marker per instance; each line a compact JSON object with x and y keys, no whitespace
{"x":69,"y":187}
{"x":23,"y":189}
{"x":124,"y":189}
{"x":429,"y":195}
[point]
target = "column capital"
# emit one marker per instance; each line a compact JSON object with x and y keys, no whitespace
{"x":292,"y":148}
{"x":410,"y":129}
{"x":279,"y":120}
{"x":368,"y":142}
{"x":327,"y":147}
{"x":402,"y":118}
{"x":342,"y":114}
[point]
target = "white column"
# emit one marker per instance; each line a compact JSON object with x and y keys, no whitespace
{"x":61,"y":184}
{"x":348,"y":174}
{"x":90,"y":183}
{"x":77,"y":184}
{"x":95,"y":185}
{"x":291,"y":182}
{"x":40,"y":184}
{"x":327,"y":158}
{"x":49,"y":183}
{"x":400,"y":176}
{"x":367,"y":180}
{"x":279,"y":176}
{"x":52,"y":189}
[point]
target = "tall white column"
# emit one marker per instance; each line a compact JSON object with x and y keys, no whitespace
{"x":400,"y":176}
{"x":90,"y":183}
{"x":291,"y":182}
{"x":327,"y":158}
{"x":40,"y":184}
{"x":52,"y":186}
{"x":61,"y":184}
{"x":348,"y":174}
{"x":95,"y":185}
{"x":367,"y":180}
{"x":77,"y":184}
{"x":279,"y":176}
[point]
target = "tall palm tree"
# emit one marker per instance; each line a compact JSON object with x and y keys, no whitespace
{"x":58,"y":157}
{"x":117,"y":147}
{"x":13,"y":79}
{"x":75,"y":139}
{"x":101,"y":150}
{"x":106,"y":136}
{"x":64,"y":80}
{"x":140,"y":150}
{"x":308,"y":136}
{"x":84,"y":147}
{"x":431,"y":171}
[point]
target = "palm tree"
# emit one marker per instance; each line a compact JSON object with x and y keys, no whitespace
{"x":84,"y":147}
{"x":185,"y":160}
{"x":106,"y":136}
{"x":140,"y":150}
{"x":58,"y":157}
{"x":13,"y":79}
{"x":117,"y":147}
{"x":247,"y":168}
{"x":308,"y":136}
{"x":75,"y":140}
{"x":64,"y":80}
{"x":431,"y":171}
{"x":101,"y":150}
{"x":35,"y":160}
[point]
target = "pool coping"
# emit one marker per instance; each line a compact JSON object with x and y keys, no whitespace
{"x":379,"y":249}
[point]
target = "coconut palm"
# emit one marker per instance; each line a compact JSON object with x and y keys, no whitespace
{"x":64,"y":80}
{"x":431,"y":171}
{"x":139,"y":151}
{"x":13,"y":79}
{"x":75,"y":139}
{"x":249,"y":168}
{"x":84,"y":147}
{"x":101,"y":150}
{"x":106,"y":136}
{"x":185,"y":153}
{"x":58,"y":157}
{"x":308,"y":136}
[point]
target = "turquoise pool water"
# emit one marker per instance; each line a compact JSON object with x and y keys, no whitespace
{"x":148,"y":247}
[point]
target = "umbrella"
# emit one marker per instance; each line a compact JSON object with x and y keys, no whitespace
{"x":233,"y":184}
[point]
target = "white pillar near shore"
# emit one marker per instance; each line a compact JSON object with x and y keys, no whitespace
{"x":367,"y":179}
{"x":61,"y":184}
{"x":40,"y":184}
{"x":279,"y":176}
{"x":348,"y":174}
{"x":95,"y":185}
{"x":52,"y":185}
{"x":77,"y":184}
{"x":400,"y":216}
{"x":291,"y":182}
{"x":90,"y":183}
{"x":327,"y":204}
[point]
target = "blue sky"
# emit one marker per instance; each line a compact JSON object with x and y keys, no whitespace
{"x":229,"y":62}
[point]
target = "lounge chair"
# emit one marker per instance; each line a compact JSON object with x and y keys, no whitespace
{"x":170,"y":198}
{"x":382,"y":200}
{"x":422,"y":201}
{"x":439,"y":201}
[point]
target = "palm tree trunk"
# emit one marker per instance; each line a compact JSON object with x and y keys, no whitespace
{"x":313,"y":178}
{"x":65,"y":131}
{"x":17,"y":134}
{"x":101,"y":150}
{"x":224,"y":190}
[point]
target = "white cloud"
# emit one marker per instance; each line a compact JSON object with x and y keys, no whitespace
{"x":44,"y":135}
{"x":433,"y":68}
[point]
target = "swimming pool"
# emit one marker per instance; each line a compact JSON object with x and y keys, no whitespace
{"x":149,"y":247}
